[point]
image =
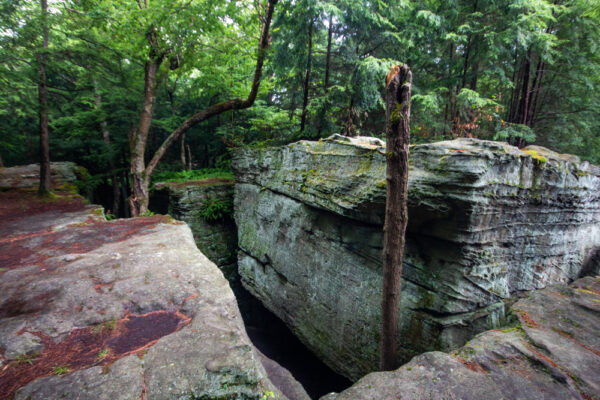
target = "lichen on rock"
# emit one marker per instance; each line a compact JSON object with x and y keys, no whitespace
{"x":485,"y":220}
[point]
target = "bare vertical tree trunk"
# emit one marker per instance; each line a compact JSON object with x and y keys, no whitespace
{"x":349,"y":124}
{"x":182,"y":152}
{"x":189,"y":157}
{"x":307,"y":76}
{"x":1,"y":162}
{"x":43,"y":104}
{"x":111,"y":162}
{"x":536,"y":88}
{"x":328,"y":57}
{"x":397,"y":128}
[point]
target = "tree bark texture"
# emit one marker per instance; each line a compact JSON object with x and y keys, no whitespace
{"x":182,"y":152}
{"x":307,"y":76}
{"x":397,"y":127}
{"x":43,"y":106}
{"x":328,"y":57}
{"x":140,"y":181}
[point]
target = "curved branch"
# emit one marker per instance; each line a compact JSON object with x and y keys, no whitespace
{"x":233,"y":104}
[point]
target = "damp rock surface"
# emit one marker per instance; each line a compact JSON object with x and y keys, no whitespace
{"x":123,"y":309}
{"x":486,"y":220}
{"x":552,"y":353}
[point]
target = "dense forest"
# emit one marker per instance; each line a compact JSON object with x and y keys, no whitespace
{"x":135,"y":89}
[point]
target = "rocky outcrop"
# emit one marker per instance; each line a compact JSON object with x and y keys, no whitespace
{"x":28,"y":176}
{"x":485,"y":220}
{"x":191,"y":202}
{"x":553,"y":353}
{"x":125,"y":309}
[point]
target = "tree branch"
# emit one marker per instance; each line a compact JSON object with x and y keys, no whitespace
{"x":233,"y":104}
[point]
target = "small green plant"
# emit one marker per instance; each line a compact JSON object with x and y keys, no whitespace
{"x":147,"y":214}
{"x":109,"y":216}
{"x":268,"y":395}
{"x":26,"y":358}
{"x":102,"y":355}
{"x":214,"y":209}
{"x":106,"y":326}
{"x":60,"y":370}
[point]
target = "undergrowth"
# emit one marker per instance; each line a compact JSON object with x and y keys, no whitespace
{"x":214,"y":209}
{"x":191,"y":175}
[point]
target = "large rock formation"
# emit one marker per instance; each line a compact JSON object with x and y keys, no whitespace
{"x":216,"y":237}
{"x":553,"y":353}
{"x":125,"y":309}
{"x":485,"y":220}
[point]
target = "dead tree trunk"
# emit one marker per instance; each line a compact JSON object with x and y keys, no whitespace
{"x":43,"y":106}
{"x":397,"y":128}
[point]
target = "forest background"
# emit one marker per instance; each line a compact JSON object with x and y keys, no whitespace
{"x":525,"y":71}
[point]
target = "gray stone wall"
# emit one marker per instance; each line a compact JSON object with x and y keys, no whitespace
{"x":485,"y":220}
{"x":217,"y":239}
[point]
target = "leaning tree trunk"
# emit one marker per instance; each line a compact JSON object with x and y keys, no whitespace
{"x":397,"y":128}
{"x":43,"y":106}
{"x":141,"y":173}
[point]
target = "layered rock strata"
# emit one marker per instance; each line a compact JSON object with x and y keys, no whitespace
{"x":552,"y":353}
{"x":485,"y":220}
{"x":189,"y":202}
{"x":126,"y":309}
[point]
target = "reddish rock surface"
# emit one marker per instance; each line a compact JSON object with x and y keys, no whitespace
{"x":553,"y":352}
{"x":124,"y":309}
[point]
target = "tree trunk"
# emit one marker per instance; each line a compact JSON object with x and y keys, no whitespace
{"x":139,"y":181}
{"x":182,"y":152}
{"x":328,"y":57}
{"x":140,"y":176}
{"x":124,"y":185}
{"x":111,"y":162}
{"x":43,"y":106}
{"x":466,"y":64}
{"x":397,"y":130}
{"x":349,"y":125}
{"x":536,"y":88}
{"x":1,"y":162}
{"x":189,"y":157}
{"x":307,"y":76}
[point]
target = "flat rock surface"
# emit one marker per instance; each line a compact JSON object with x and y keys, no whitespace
{"x":126,"y":309}
{"x":553,"y":353}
